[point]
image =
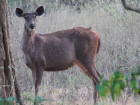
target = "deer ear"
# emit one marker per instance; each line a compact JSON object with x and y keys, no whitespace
{"x":39,"y":11}
{"x":19,"y":12}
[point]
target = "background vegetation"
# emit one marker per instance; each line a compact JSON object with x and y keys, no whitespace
{"x":119,"y":33}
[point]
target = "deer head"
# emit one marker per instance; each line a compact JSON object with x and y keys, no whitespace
{"x":30,"y":18}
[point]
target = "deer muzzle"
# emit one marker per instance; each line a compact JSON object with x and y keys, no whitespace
{"x":32,"y":26}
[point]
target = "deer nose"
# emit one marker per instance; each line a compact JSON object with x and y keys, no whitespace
{"x":32,"y":26}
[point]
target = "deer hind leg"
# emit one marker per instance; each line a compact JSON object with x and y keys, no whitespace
{"x":98,"y":73}
{"x":90,"y":70}
{"x":83,"y":69}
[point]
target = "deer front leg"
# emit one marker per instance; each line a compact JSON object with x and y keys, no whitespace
{"x":34,"y":77}
{"x":39,"y":74}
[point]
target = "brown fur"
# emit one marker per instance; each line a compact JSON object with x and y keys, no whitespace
{"x":60,"y":50}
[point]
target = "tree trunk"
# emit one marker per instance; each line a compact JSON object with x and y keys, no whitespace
{"x":9,"y":85}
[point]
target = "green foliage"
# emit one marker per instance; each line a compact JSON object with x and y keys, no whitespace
{"x":117,"y":83}
{"x":9,"y":100}
{"x":134,"y":76}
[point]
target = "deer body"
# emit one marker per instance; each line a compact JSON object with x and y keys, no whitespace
{"x":59,"y":50}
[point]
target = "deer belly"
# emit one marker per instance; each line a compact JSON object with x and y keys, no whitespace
{"x":61,"y":59}
{"x":59,"y":66}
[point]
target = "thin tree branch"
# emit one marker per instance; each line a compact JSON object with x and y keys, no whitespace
{"x":131,"y":8}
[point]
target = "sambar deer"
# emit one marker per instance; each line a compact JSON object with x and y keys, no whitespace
{"x":59,"y":50}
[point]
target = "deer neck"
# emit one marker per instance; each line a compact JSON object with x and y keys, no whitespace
{"x":27,"y":39}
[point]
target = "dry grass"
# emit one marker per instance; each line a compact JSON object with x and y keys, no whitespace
{"x":119,"y":36}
